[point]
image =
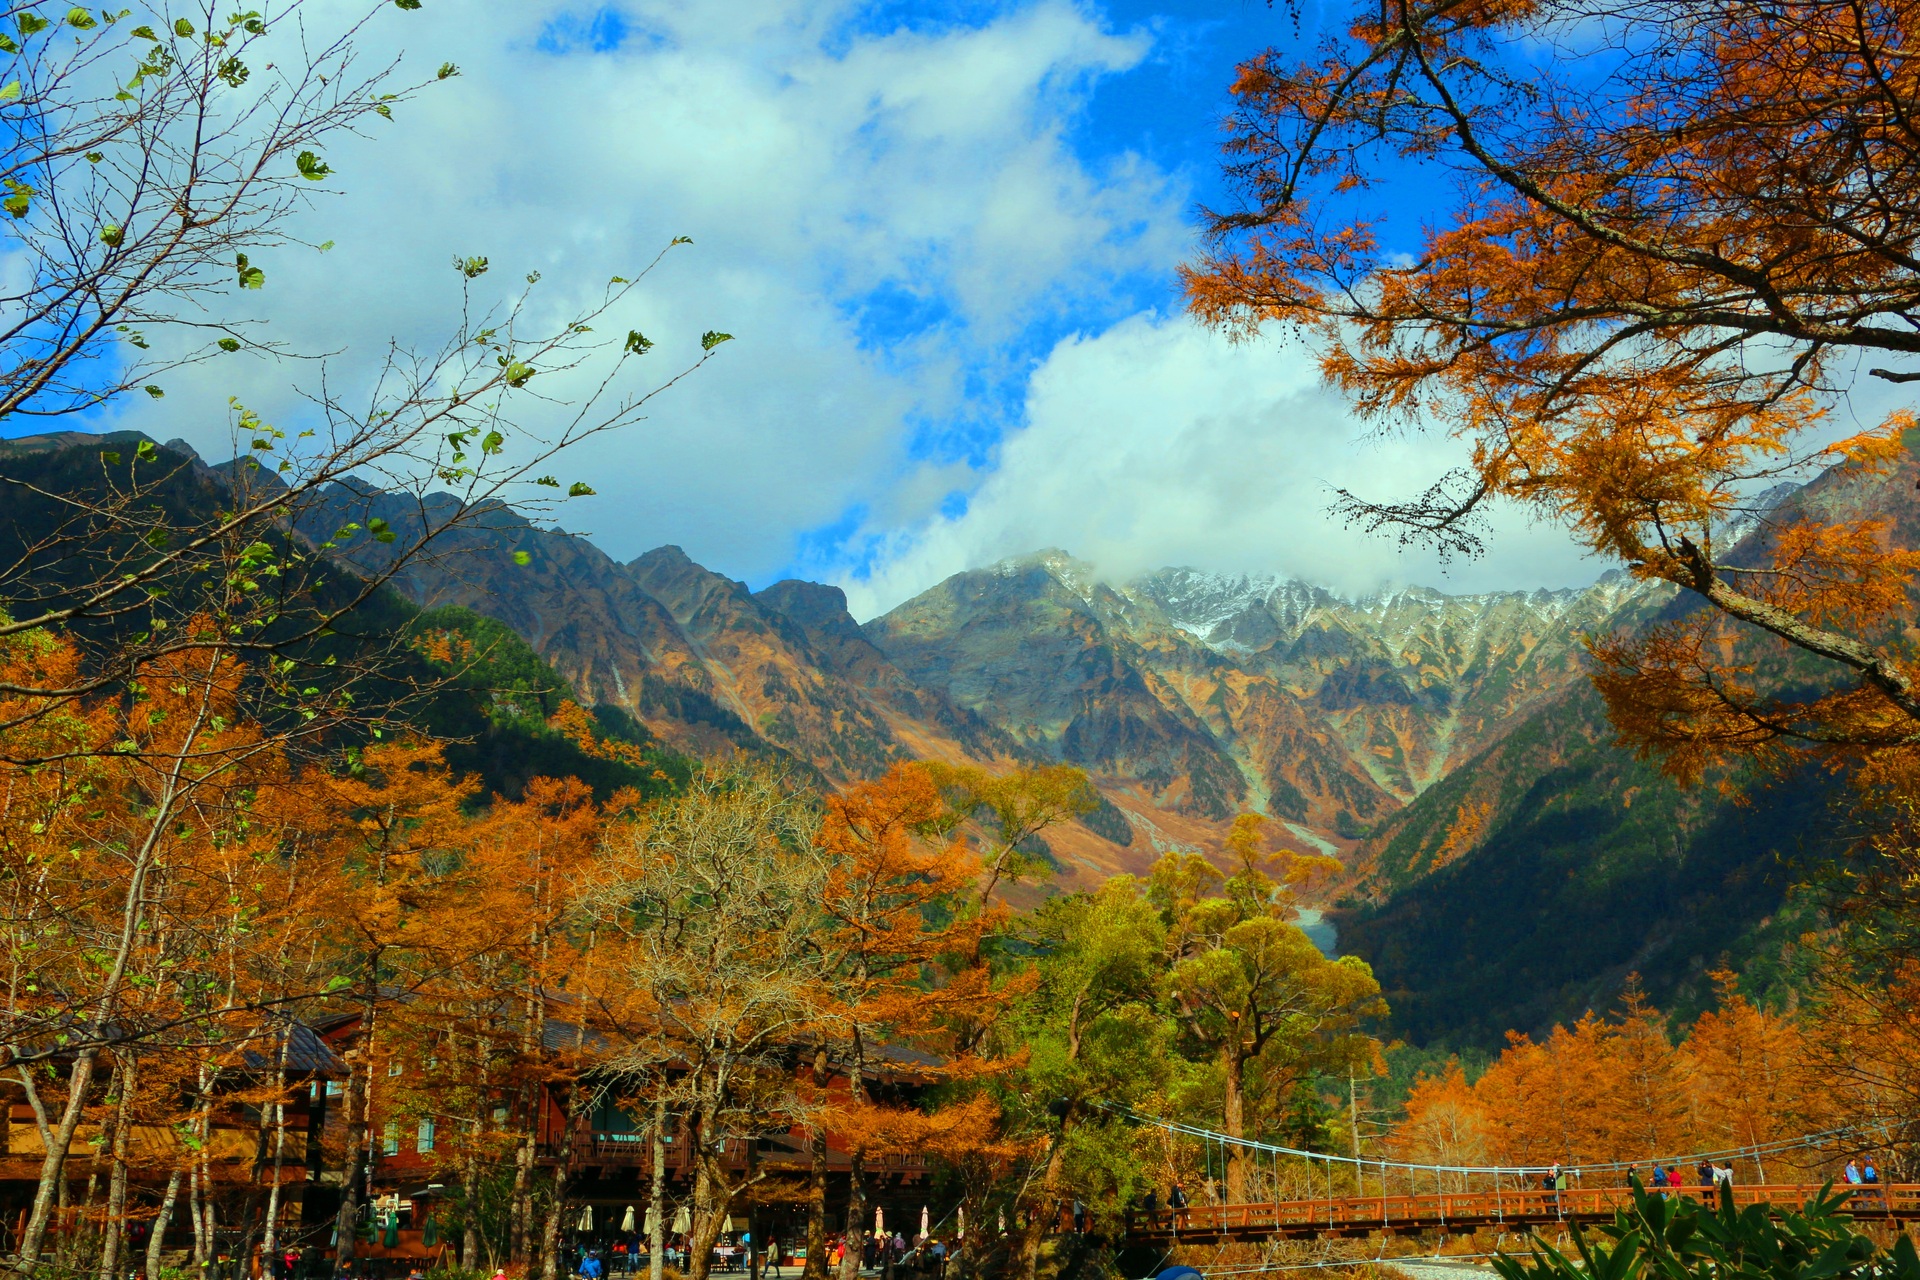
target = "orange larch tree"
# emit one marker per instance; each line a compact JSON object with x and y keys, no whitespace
{"x":883,"y":986}
{"x":1669,"y":232}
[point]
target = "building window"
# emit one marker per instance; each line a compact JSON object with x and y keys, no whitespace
{"x":390,"y":1140}
{"x":423,"y":1139}
{"x":393,"y":1068}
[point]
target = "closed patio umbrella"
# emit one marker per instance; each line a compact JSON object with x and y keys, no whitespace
{"x":923,"y":1222}
{"x":586,"y":1218}
{"x":626,"y":1223}
{"x":879,"y":1221}
{"x":726,"y":1227}
{"x":962,"y":1230}
{"x":653,"y":1216}
{"x":682,"y":1221}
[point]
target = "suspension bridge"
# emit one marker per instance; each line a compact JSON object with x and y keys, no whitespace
{"x":1503,"y":1198}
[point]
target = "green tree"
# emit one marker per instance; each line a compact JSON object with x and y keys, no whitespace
{"x":1250,"y":991}
{"x":1096,"y":1034}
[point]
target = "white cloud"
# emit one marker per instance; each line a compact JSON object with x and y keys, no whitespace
{"x":811,"y":163}
{"x":1158,"y":443}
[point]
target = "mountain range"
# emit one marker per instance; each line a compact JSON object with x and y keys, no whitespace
{"x":1507,"y":863}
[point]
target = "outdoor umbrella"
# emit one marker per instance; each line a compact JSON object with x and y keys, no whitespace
{"x":923,"y":1222}
{"x":653,"y":1216}
{"x":879,"y":1221}
{"x":391,"y":1238}
{"x":682,"y":1221}
{"x":586,"y":1218}
{"x":726,"y":1227}
{"x":961,"y":1230}
{"x":626,"y":1223}
{"x":429,"y":1234}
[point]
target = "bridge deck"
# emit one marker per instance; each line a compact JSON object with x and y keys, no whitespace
{"x":1462,"y":1212}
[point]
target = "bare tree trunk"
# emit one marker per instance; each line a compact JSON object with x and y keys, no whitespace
{"x":116,"y":1224}
{"x":358,"y":1126}
{"x":156,"y":1244}
{"x":270,"y":1238}
{"x":557,"y":1206}
{"x":520,"y":1224}
{"x":707,"y":1213}
{"x":1235,"y":1126}
{"x":470,"y":1183}
{"x":816,"y":1264}
{"x":857,"y":1220}
{"x":1044,"y":1209}
{"x":657,"y":1219}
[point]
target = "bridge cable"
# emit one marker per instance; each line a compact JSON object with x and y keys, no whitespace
{"x":1210,"y":1137}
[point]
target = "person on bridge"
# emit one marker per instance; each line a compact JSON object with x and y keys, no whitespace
{"x":1151,"y":1207}
{"x":1660,"y":1175}
{"x":1706,"y":1173}
{"x":1177,"y":1201}
{"x":1853,"y":1173}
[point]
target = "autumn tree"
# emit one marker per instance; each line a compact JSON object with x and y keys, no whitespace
{"x":891,"y":926}
{"x":1669,"y":232}
{"x":1751,"y":1079}
{"x":707,"y":909}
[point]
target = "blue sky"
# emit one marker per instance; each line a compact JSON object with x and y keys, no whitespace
{"x":945,"y":237}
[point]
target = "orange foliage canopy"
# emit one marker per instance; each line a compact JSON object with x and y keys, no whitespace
{"x":1618,"y":1090}
{"x":1664,"y":247}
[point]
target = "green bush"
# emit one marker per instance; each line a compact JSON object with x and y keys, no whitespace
{"x":1681,"y":1239}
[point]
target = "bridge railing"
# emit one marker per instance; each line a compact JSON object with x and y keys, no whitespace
{"x":1472,"y":1210}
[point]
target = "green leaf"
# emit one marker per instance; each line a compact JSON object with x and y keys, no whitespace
{"x":311,"y":166}
{"x":638,"y":343}
{"x":229,"y":344}
{"x":155,"y":392}
{"x":682,"y":240}
{"x":492,"y":443}
{"x":447,"y":71}
{"x":31,"y":24}
{"x":384,"y":111}
{"x":251,"y":277}
{"x":11,"y":93}
{"x":324,"y":246}
{"x":181,"y":27}
{"x":95,"y":157}
{"x":111,"y":457}
{"x":580,"y":489}
{"x":548,"y":481}
{"x":80,"y":20}
{"x":378,"y":528}
{"x":406,"y":4}
{"x":145,"y":33}
{"x":7,"y":44}
{"x":713,"y":338}
{"x":19,"y":199}
{"x":147,"y":450}
{"x":522,"y":558}
{"x":471,"y":268}
{"x":112,"y":235}
{"x":518,"y":373}
{"x":233,"y":71}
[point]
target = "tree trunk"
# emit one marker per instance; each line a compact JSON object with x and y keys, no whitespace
{"x":521,"y":1206}
{"x":270,"y":1239}
{"x":815,"y":1267}
{"x":53,"y":1167}
{"x":116,"y":1224}
{"x":470,"y":1191}
{"x":346,"y":1220}
{"x":657,"y":1220}
{"x":858,"y":1223}
{"x":557,"y":1206}
{"x":1045,"y":1208}
{"x":156,"y":1244}
{"x":707,"y":1210}
{"x":1236,"y":1124}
